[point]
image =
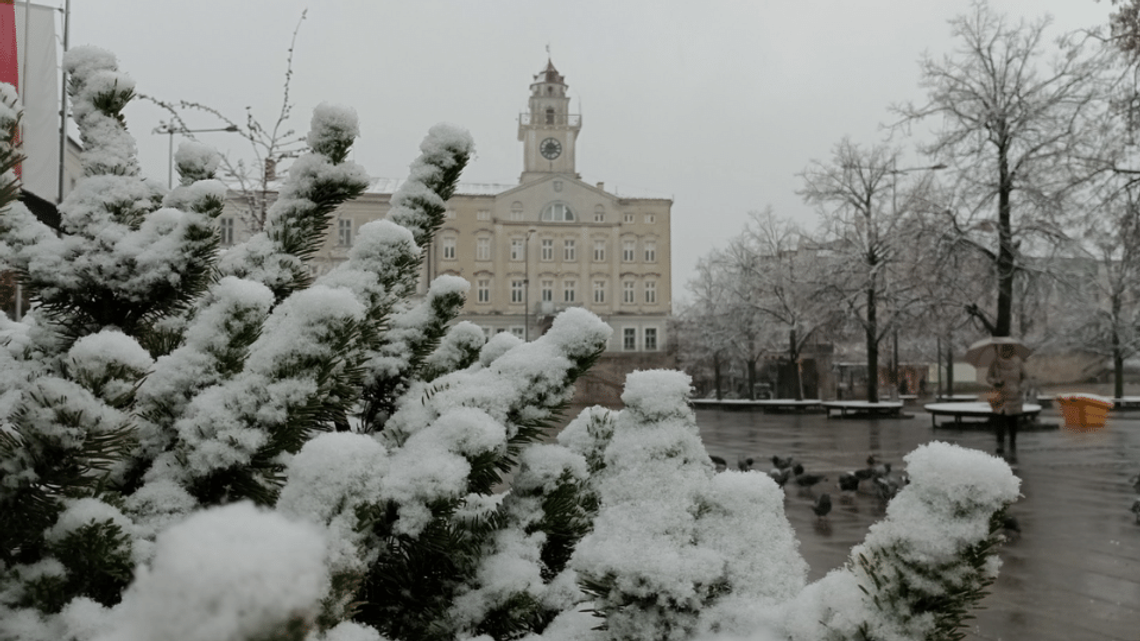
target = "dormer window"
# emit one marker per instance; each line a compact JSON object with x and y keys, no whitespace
{"x":557,"y":213}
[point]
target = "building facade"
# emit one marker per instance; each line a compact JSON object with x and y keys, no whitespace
{"x":548,"y":243}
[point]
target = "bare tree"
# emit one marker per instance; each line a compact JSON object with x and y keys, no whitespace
{"x":270,"y":145}
{"x":704,"y":331}
{"x":778,"y":266}
{"x":1010,"y":122}
{"x":864,"y":212}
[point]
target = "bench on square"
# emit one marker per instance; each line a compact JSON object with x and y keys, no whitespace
{"x":972,"y":410}
{"x":892,"y":409}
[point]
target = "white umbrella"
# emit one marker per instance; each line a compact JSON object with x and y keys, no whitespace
{"x":983,"y":352}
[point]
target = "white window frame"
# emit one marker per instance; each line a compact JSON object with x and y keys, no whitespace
{"x":483,"y":248}
{"x":344,"y":232}
{"x":599,"y":251}
{"x":548,"y":291}
{"x":569,"y":250}
{"x":629,"y":339}
{"x":628,"y":251}
{"x":650,"y":292}
{"x":649,"y":339}
{"x":483,"y":290}
{"x":226,"y":230}
{"x":600,"y":291}
{"x":569,"y":290}
{"x":628,"y":292}
{"x":546,"y":246}
{"x":517,"y":288}
{"x":517,"y":249}
{"x":448,"y":247}
{"x":650,"y":251}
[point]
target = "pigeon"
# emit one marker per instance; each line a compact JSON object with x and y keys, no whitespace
{"x":822,"y":505}
{"x":782,"y":463}
{"x":848,"y":482}
{"x":720,"y":464}
{"x":780,"y":476}
{"x":885,"y":487}
{"x":865,"y":474}
{"x":808,"y":480}
{"x":1136,"y":509}
{"x":744,"y":464}
{"x":1135,"y":482}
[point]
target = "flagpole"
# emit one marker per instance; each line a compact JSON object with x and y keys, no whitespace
{"x":63,"y":102}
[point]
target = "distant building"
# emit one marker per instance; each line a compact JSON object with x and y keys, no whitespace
{"x":551,"y":242}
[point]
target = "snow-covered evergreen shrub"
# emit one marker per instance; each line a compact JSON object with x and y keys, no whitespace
{"x":198,"y":443}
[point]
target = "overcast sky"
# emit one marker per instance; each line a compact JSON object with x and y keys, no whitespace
{"x":715,"y":104}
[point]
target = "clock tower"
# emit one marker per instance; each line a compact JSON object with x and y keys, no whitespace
{"x":548,"y":131}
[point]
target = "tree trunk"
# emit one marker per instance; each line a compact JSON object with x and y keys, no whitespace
{"x":751,"y":378}
{"x":718,"y":380}
{"x":1005,"y":246}
{"x":794,"y":358}
{"x":872,"y":349}
{"x":949,"y":369}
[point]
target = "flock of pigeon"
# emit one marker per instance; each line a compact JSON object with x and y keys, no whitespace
{"x":876,"y":479}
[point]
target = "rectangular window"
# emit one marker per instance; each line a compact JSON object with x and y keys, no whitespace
{"x":628,"y":250}
{"x":651,"y":292}
{"x":547,"y":291}
{"x":650,"y":334}
{"x":483,"y":214}
{"x":568,"y":287}
{"x":629,"y":339}
{"x":517,"y":249}
{"x":344,"y":232}
{"x":516,"y":214}
{"x":516,"y":291}
{"x":449,"y":249}
{"x":570,"y":250}
{"x":599,"y":251}
{"x":517,"y":331}
{"x":628,"y":218}
{"x":650,"y":251}
{"x":483,"y":290}
{"x":599,"y":216}
{"x":482,"y":249}
{"x":650,"y":219}
{"x":547,"y":249}
{"x":627,"y":292}
{"x":226,"y":231}
{"x":599,"y":291}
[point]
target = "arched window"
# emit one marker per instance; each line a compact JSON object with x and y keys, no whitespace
{"x":557,"y":213}
{"x":550,"y":115}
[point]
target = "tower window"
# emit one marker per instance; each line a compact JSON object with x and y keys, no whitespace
{"x":549,"y":112}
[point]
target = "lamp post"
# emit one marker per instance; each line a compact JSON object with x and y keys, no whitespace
{"x":170,"y":129}
{"x":526,"y":284}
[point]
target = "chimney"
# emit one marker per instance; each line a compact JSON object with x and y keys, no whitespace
{"x":601,"y":185}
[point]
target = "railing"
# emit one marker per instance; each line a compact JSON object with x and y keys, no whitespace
{"x":572,"y":120}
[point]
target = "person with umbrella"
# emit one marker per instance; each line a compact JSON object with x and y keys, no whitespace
{"x":1005,"y":358}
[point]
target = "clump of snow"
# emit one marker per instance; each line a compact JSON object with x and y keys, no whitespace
{"x":110,"y":354}
{"x":578,"y":333}
{"x":657,"y":394}
{"x":225,"y":574}
{"x":82,"y":512}
{"x":196,"y":161}
{"x":498,"y":345}
{"x":328,"y":479}
{"x":332,"y":129}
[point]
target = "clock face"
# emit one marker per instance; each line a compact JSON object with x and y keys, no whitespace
{"x":550,"y":148}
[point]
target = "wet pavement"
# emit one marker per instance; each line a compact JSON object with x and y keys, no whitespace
{"x":1073,"y":573}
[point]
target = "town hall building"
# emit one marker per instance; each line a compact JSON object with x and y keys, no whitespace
{"x":549,"y":243}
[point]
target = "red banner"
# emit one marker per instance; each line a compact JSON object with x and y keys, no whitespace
{"x":9,"y":67}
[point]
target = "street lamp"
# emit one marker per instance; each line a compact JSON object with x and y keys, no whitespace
{"x":170,"y":130}
{"x":526,"y":284}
